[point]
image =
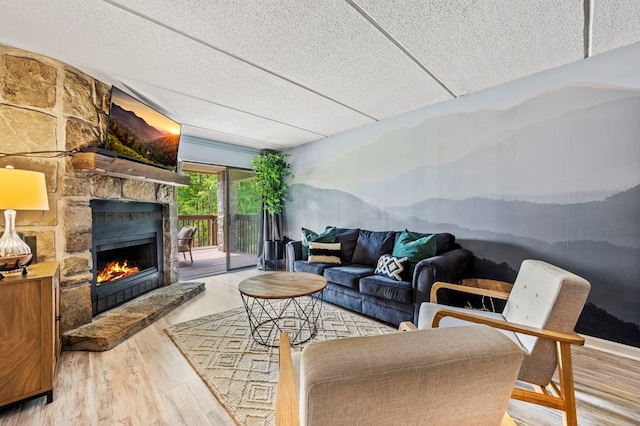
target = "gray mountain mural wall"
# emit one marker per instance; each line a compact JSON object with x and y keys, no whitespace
{"x":554,"y":177}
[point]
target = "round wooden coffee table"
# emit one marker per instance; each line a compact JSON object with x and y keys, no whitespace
{"x":283,"y":302}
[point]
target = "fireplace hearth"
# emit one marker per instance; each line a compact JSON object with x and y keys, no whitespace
{"x":127,"y":251}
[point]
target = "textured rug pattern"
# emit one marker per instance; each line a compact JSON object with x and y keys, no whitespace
{"x":243,"y":374}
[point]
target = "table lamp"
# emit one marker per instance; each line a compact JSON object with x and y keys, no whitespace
{"x":19,"y":190}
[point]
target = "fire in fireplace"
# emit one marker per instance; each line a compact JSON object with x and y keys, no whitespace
{"x":127,"y":258}
{"x":127,"y":251}
{"x":114,"y":270}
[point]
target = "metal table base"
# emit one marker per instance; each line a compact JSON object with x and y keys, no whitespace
{"x":296,"y":316}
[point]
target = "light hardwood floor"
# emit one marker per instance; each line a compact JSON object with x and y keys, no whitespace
{"x":147,"y":381}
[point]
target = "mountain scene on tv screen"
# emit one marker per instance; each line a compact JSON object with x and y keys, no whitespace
{"x":132,"y":136}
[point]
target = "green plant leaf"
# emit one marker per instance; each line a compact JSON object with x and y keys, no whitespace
{"x":271,"y":172}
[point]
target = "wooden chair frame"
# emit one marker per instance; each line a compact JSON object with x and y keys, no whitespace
{"x":287,"y":410}
{"x":560,"y":397}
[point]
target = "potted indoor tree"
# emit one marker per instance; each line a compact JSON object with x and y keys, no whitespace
{"x":271,"y":171}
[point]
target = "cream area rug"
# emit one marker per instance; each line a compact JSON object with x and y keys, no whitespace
{"x":243,"y":374}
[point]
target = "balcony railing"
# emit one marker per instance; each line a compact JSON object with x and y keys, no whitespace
{"x":207,"y":232}
{"x":243,"y":237}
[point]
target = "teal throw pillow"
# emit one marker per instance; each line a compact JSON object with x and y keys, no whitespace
{"x":415,"y":249}
{"x":327,"y":236}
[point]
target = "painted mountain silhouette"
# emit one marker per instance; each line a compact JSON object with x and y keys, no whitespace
{"x":611,"y":269}
{"x":576,"y":151}
{"x":615,"y":220}
{"x":578,"y":156}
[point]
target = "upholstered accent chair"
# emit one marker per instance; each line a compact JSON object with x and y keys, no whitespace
{"x":449,"y":376}
{"x":185,"y":241}
{"x":540,"y":315}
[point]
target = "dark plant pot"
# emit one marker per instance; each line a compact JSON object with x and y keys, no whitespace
{"x":273,"y":250}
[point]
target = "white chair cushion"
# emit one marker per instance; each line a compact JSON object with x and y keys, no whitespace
{"x":185,"y":233}
{"x":533,"y":296}
{"x":428,"y":310}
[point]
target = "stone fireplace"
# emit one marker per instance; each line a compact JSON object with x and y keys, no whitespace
{"x":48,"y":112}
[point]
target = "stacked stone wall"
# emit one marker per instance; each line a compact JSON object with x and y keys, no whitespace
{"x":48,"y":110}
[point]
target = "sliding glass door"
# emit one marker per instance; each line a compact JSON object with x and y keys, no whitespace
{"x":243,"y":216}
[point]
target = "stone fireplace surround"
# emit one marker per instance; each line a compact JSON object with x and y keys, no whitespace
{"x":48,"y":108}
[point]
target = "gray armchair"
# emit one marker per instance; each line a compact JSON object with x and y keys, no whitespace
{"x":449,"y":376}
{"x":185,"y":241}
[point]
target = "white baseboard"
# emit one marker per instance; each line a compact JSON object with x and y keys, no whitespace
{"x":612,"y":347}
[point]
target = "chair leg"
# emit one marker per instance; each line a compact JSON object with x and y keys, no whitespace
{"x":563,"y":398}
{"x":190,"y":255}
{"x":565,"y":372}
{"x":407,"y":326}
{"x":507,"y":420}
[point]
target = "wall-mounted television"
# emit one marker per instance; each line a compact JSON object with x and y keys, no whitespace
{"x":138,"y":132}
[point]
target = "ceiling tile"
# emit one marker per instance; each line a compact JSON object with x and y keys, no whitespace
{"x":230,"y":125}
{"x":128,"y":47}
{"x":616,"y":23}
{"x":325,"y":46}
{"x":474,"y":45}
{"x":279,"y":73}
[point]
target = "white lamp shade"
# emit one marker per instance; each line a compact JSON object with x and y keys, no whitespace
{"x":22,"y":190}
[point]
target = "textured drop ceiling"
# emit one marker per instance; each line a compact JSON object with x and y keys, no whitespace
{"x":279,"y":73}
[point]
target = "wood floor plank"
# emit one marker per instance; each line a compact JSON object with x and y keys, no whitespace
{"x":147,"y":381}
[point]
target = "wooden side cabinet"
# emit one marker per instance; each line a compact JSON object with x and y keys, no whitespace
{"x":29,"y":333}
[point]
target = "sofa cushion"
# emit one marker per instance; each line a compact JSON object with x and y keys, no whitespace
{"x":348,"y":238}
{"x":371,"y":245}
{"x":313,"y":268}
{"x":386,"y":288}
{"x":445,"y":242}
{"x":347,"y":276}
{"x":327,"y":236}
{"x":391,"y":267}
{"x":415,"y":248}
{"x":324,"y":252}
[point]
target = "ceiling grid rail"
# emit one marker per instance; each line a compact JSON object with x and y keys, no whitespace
{"x":400,"y":46}
{"x":220,"y":105}
{"x":588,"y":26}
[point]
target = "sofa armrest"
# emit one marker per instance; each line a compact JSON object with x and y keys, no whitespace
{"x":451,"y":266}
{"x":294,"y":252}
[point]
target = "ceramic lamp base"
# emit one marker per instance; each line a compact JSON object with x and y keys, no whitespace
{"x":15,"y":254}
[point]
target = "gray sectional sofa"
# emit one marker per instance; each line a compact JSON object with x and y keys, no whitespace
{"x":354,"y":284}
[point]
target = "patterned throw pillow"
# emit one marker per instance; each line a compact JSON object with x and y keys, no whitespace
{"x":324,"y":252}
{"x":327,"y":236}
{"x":390,"y":266}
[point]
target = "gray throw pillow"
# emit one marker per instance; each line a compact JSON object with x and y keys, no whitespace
{"x":371,"y":245}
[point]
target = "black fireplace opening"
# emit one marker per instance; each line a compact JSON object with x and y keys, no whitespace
{"x":125,"y":260}
{"x":127,"y":252}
